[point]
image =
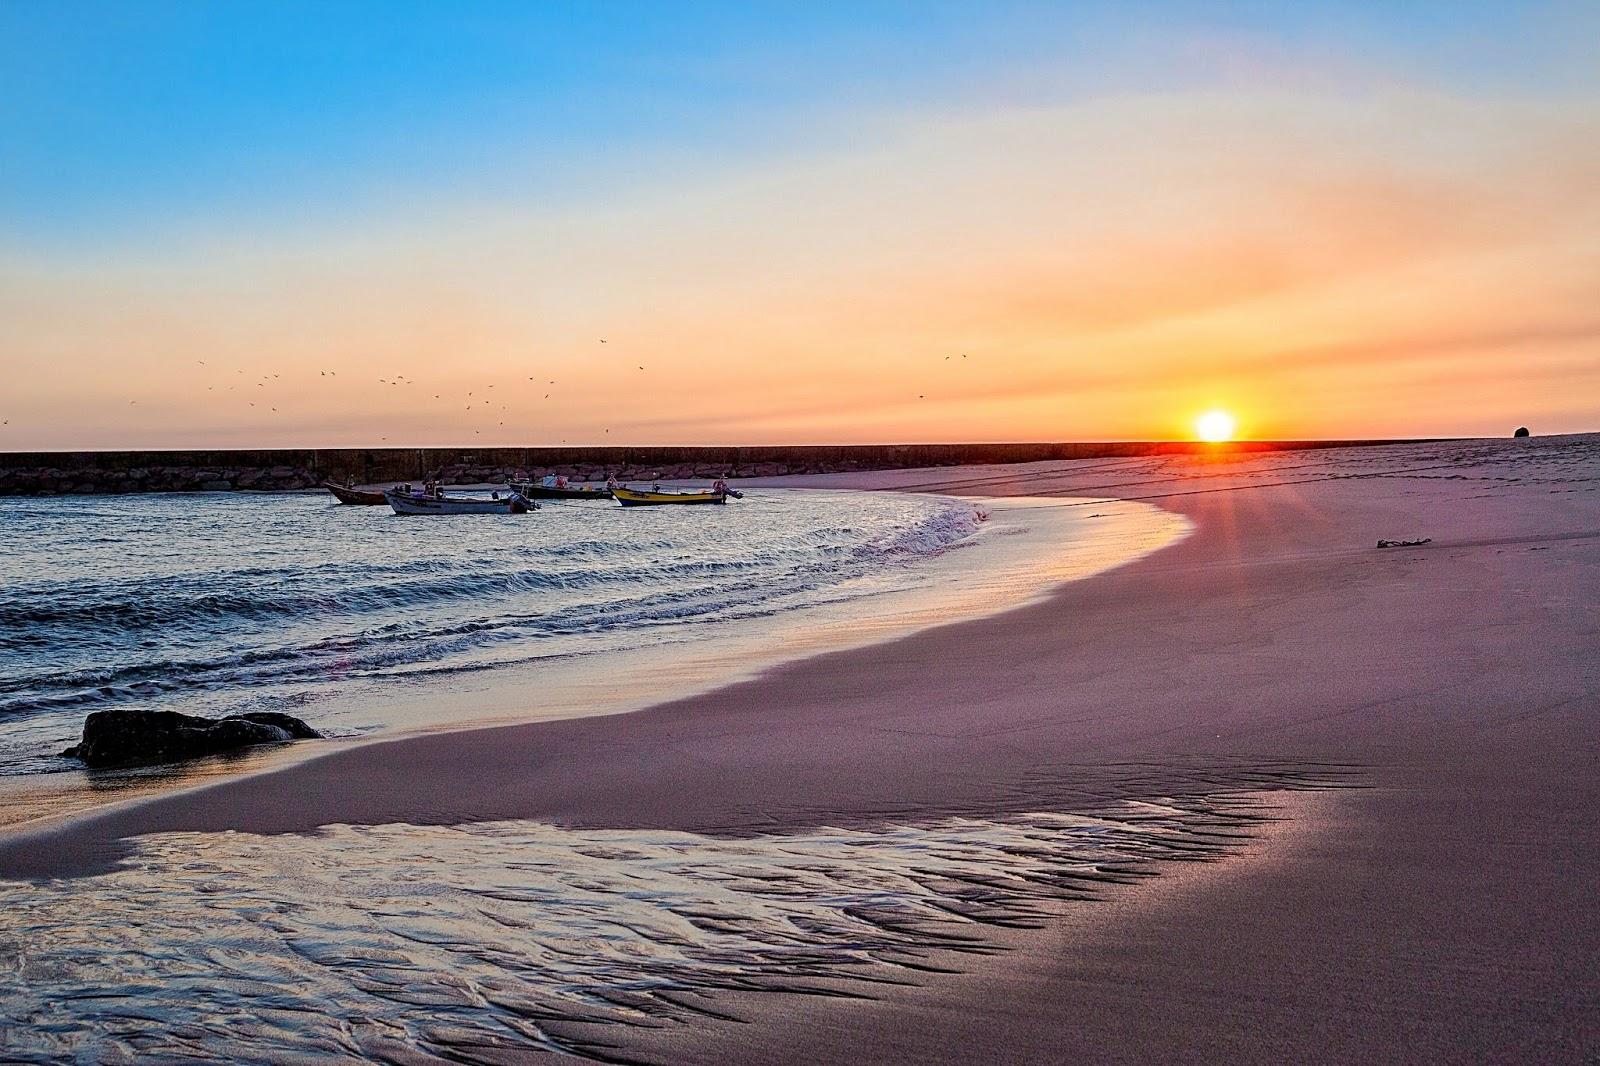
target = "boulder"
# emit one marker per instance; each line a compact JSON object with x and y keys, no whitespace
{"x":129,"y":737}
{"x":1522,"y":431}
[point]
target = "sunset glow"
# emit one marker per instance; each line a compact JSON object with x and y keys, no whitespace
{"x":423,"y":237}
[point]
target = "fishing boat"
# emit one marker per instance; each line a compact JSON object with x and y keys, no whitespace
{"x":719,"y":493}
{"x":409,"y":503}
{"x":535,"y":491}
{"x":355,"y":496}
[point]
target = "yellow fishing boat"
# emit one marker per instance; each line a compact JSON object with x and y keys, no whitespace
{"x":719,"y":493}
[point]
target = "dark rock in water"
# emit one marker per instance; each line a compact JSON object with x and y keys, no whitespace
{"x":1522,"y":431}
{"x":138,"y":737}
{"x":296,"y":729}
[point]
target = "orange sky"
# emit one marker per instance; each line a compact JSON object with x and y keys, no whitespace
{"x":1389,"y":262}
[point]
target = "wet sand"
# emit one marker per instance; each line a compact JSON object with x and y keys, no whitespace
{"x":1441,"y":912}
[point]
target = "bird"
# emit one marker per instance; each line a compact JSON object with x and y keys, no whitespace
{"x":641,"y":368}
{"x":602,"y":340}
{"x":324,"y":373}
{"x":202,"y":362}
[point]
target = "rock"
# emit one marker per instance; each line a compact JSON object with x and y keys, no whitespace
{"x":1522,"y":431}
{"x":296,"y":729}
{"x":127,"y":737}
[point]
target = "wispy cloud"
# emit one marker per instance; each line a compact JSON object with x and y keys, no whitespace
{"x":1106,"y":267}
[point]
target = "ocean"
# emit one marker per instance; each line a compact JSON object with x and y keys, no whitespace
{"x":221,"y":603}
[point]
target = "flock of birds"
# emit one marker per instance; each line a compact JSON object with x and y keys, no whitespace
{"x":485,"y":401}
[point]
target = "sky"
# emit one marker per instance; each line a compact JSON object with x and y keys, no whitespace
{"x":359,"y":224}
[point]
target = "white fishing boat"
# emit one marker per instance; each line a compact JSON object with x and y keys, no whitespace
{"x":409,"y":503}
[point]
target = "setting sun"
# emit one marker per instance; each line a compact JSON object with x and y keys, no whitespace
{"x":1215,"y":426}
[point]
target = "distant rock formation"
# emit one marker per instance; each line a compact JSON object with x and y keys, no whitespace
{"x":1522,"y":431}
{"x":128,"y":737}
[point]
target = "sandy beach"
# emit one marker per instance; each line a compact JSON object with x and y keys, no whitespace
{"x":1420,"y":725}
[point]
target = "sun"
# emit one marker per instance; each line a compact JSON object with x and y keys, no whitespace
{"x":1215,"y":426}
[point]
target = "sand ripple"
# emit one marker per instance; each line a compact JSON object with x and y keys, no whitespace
{"x":473,"y":942}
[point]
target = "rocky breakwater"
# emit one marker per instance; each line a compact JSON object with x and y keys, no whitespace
{"x":84,"y":481}
{"x":127,"y":737}
{"x":465,"y":474}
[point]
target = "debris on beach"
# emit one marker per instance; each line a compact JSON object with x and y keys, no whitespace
{"x":1405,"y":543}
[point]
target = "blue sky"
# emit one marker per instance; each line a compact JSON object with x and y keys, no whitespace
{"x":128,"y":116}
{"x":242,"y":223}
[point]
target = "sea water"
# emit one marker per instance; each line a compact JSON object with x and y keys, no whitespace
{"x":222,"y":603}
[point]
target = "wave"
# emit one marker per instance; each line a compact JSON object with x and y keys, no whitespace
{"x":225,"y":617}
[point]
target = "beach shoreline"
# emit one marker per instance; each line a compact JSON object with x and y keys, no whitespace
{"x":1438,"y":913}
{"x":1019,"y":549}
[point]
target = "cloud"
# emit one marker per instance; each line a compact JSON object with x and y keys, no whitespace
{"x":1108,"y":266}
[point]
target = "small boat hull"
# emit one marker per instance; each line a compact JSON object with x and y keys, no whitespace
{"x":356,"y":497}
{"x":635,"y":498}
{"x":408,"y":504}
{"x":540,"y":492}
